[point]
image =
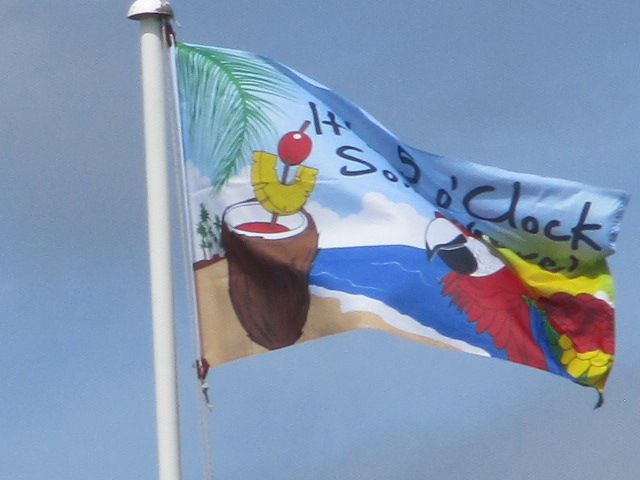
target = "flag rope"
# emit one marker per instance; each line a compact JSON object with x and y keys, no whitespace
{"x":175,"y":136}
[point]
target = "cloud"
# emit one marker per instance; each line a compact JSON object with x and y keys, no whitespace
{"x":380,"y":222}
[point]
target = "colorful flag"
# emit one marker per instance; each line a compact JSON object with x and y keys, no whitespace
{"x":308,"y":218}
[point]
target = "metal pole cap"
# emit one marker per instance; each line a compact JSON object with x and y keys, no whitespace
{"x":142,"y":8}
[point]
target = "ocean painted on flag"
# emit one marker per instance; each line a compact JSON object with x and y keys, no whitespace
{"x":308,"y":218}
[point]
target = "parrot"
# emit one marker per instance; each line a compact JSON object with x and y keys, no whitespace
{"x":567,"y":332}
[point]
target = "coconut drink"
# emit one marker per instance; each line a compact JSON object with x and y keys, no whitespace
{"x":271,"y":242}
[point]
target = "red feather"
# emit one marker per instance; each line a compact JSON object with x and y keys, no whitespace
{"x":588,"y":321}
{"x":496,"y":304}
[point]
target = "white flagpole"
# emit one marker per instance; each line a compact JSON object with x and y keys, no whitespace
{"x":153,"y":15}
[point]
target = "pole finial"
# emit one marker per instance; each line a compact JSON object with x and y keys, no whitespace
{"x":143,"y":8}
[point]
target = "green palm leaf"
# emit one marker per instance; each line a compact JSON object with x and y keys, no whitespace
{"x":225,"y":107}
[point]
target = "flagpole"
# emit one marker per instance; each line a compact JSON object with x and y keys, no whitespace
{"x":153,"y":15}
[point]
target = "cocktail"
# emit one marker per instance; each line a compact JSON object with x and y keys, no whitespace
{"x":271,"y":242}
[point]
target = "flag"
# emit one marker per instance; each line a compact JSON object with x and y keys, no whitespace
{"x":308,"y":218}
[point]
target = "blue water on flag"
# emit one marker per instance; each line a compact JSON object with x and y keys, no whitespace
{"x":402,"y":278}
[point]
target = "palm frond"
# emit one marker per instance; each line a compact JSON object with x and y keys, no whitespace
{"x":226,"y":107}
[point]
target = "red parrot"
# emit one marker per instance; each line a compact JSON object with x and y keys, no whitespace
{"x":482,"y":285}
{"x":578,"y":328}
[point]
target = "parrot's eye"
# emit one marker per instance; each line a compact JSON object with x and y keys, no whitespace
{"x":460,"y":260}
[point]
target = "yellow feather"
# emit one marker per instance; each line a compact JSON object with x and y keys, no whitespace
{"x":545,"y":283}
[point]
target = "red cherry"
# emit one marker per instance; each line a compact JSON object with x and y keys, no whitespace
{"x":294,"y":147}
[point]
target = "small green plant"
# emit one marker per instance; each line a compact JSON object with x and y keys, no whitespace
{"x":209,"y":232}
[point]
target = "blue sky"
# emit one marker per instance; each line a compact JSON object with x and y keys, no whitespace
{"x":540,"y":87}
